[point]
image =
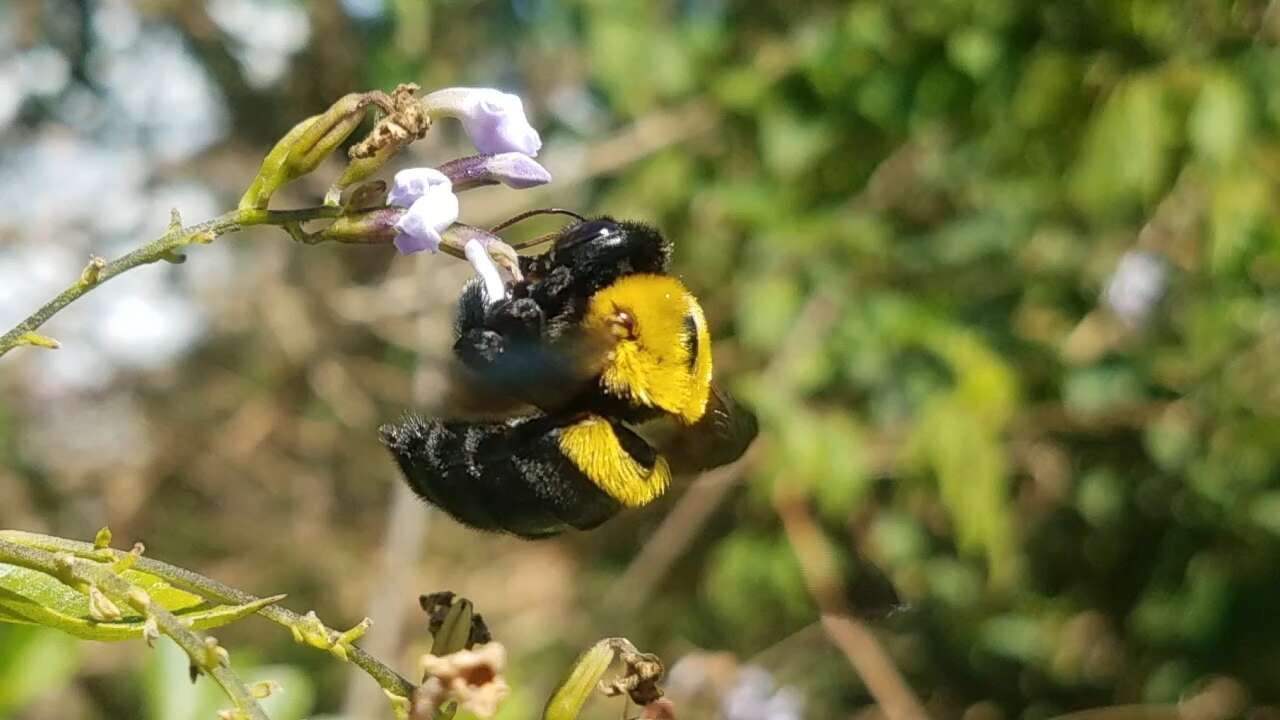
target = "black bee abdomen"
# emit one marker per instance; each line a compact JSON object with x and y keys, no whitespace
{"x":507,"y":476}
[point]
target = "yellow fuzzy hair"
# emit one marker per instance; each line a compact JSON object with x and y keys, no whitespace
{"x":650,"y":366}
{"x":592,"y":446}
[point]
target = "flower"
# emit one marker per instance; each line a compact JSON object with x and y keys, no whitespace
{"x":431,"y":204}
{"x":754,"y":696}
{"x":472,"y":677}
{"x":513,"y":169}
{"x":1136,"y":286}
{"x":412,"y":184}
{"x":494,"y":120}
{"x":478,"y":256}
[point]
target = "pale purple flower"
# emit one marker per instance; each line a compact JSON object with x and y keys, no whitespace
{"x":754,"y":696}
{"x":1136,"y":286}
{"x":431,"y":204}
{"x":494,"y":288}
{"x":513,"y":169}
{"x":494,"y":120}
{"x":412,"y":183}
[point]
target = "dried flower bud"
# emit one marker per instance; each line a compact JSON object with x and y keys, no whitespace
{"x":494,"y":120}
{"x":639,"y":680}
{"x":444,"y":607}
{"x":472,"y":678}
{"x":404,"y":122}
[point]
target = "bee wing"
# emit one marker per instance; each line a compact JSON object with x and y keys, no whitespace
{"x":723,"y":434}
{"x":525,"y":373}
{"x":467,"y":396}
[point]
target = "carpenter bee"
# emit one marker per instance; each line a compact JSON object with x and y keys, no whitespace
{"x":596,"y":342}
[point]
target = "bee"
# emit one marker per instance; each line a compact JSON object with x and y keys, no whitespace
{"x":594,"y":344}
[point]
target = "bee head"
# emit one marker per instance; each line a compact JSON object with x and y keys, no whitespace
{"x":601,"y":250}
{"x":660,"y":354}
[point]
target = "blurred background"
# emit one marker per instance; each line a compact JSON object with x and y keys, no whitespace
{"x":1000,"y":277}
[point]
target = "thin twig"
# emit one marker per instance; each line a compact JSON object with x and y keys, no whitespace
{"x":78,"y":571}
{"x":669,"y":541}
{"x":868,"y":657}
{"x":387,"y":678}
{"x":164,"y":247}
{"x":212,"y":589}
{"x":408,"y":520}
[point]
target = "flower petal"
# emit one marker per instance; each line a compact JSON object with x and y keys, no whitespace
{"x":411,"y":184}
{"x":494,"y":288}
{"x":420,"y":226}
{"x":409,"y":244}
{"x":494,"y":120}
{"x":513,"y":169}
{"x":517,"y":170}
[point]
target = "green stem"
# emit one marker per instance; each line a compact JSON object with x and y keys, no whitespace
{"x":388,"y":679}
{"x":75,"y":570}
{"x":159,"y":249}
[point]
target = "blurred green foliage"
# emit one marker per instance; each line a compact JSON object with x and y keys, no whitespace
{"x":902,"y":217}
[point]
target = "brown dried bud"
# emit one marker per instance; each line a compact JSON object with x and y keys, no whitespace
{"x":639,"y":680}
{"x":405,"y":122}
{"x":472,"y":678}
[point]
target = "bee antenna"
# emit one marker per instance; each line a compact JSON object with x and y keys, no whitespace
{"x":530,"y":213}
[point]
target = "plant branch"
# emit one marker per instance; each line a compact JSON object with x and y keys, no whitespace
{"x":868,"y":657}
{"x":302,"y":626}
{"x":165,"y":247}
{"x":83,"y":574}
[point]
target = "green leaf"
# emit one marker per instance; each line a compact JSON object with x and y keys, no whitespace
{"x":170,"y":695}
{"x":567,"y":701}
{"x":1219,"y":122}
{"x":1128,"y":150}
{"x":33,"y":662}
{"x":34,"y":598}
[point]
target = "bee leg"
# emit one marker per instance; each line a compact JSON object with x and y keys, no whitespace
{"x":505,"y":345}
{"x":480,"y":349}
{"x":520,"y":320}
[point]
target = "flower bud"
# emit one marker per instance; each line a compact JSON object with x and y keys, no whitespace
{"x":303,"y":147}
{"x":369,"y":227}
{"x":513,"y":169}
